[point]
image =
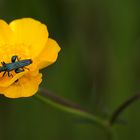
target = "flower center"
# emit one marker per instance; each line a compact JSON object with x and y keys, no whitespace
{"x":10,"y":55}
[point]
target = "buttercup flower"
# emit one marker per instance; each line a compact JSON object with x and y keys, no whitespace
{"x":24,"y":49}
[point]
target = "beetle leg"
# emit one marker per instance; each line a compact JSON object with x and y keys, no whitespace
{"x":4,"y":73}
{"x":13,"y":59}
{"x":3,"y":63}
{"x":18,"y":58}
{"x":19,"y":70}
{"x":26,"y":68}
{"x":9,"y":74}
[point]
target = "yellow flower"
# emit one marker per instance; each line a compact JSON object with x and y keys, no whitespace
{"x":28,"y":39}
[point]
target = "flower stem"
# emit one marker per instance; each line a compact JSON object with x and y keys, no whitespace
{"x":122,"y":107}
{"x":69,"y":107}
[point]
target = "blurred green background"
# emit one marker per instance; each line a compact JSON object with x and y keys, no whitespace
{"x":98,"y":68}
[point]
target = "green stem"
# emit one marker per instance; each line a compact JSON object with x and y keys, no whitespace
{"x":69,"y":107}
{"x":122,"y":107}
{"x":112,"y":135}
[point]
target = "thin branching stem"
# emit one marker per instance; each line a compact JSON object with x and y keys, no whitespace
{"x":122,"y":107}
{"x":68,"y":106}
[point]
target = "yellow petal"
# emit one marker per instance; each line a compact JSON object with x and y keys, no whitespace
{"x":6,"y":34}
{"x":6,"y":81}
{"x":30,"y":32}
{"x":26,"y":86}
{"x":49,"y":54}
